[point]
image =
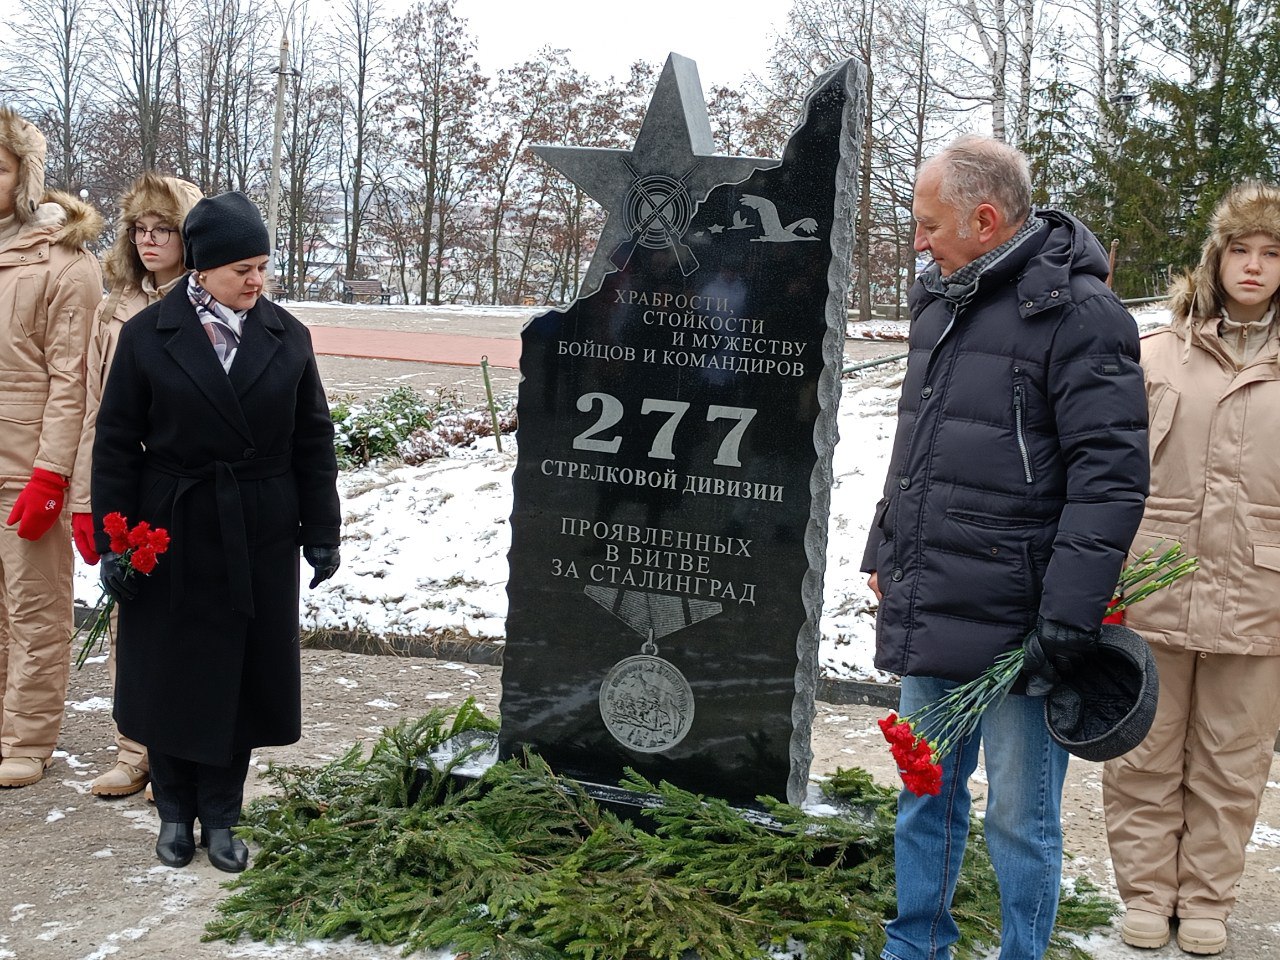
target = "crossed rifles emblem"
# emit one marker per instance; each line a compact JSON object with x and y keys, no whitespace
{"x":657,"y":211}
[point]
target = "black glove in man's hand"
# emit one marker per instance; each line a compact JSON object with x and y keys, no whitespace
{"x":115,"y":578}
{"x":324,"y":561}
{"x":1054,"y":650}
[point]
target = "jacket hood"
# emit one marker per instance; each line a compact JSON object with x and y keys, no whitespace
{"x":63,"y":220}
{"x":27,"y":143}
{"x":1070,"y":248}
{"x":1246,"y":209}
{"x":168,"y":198}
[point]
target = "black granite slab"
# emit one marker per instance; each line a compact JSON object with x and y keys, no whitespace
{"x":672,"y":485}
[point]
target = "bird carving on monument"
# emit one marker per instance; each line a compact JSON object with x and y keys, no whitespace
{"x":774,"y":231}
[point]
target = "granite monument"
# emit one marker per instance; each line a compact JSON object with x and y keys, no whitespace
{"x":677,"y":423}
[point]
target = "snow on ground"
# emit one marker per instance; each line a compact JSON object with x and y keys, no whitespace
{"x":428,"y":311}
{"x":424,"y":548}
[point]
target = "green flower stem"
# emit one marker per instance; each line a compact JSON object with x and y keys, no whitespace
{"x":953,"y":717}
{"x":99,"y":625}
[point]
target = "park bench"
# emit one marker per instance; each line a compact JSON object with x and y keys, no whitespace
{"x":364,"y":288}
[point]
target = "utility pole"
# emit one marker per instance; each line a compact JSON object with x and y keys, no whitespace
{"x":273,"y":203}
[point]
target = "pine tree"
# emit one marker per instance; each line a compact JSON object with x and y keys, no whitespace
{"x":1208,"y":122}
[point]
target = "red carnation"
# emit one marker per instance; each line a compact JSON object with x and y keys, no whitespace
{"x":143,"y":558}
{"x":913,"y":755}
{"x":139,"y":534}
{"x":115,"y":524}
{"x":924,"y":782}
{"x":158,"y":540}
{"x":137,"y":550}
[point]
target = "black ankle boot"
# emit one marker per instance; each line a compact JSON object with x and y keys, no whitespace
{"x":225,"y":851}
{"x":176,"y":844}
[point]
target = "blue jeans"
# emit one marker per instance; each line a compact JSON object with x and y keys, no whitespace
{"x":1025,"y":772}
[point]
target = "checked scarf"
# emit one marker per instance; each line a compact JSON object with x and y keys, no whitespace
{"x":222,"y":325}
{"x":960,"y":287}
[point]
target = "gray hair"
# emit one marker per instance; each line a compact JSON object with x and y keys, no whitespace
{"x":975,"y":170}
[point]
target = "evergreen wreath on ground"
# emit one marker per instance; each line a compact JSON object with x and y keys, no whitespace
{"x":520,"y":864}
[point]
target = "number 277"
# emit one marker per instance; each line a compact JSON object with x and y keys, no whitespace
{"x":611,"y":412}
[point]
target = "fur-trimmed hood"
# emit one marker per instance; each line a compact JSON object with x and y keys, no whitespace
{"x":27,"y":143}
{"x":1246,"y":209}
{"x":60,"y":219}
{"x":168,"y":198}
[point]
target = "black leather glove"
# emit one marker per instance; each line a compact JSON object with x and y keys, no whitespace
{"x":1053,"y":652}
{"x":324,"y":560}
{"x":115,"y":578}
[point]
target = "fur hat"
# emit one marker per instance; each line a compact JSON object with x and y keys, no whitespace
{"x":26,"y":143}
{"x":168,"y":198}
{"x":1246,"y":209}
{"x":223,"y":229}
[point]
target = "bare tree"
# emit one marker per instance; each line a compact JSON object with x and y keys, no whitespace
{"x":359,"y":36}
{"x":436,"y":93}
{"x":54,"y":66}
{"x":520,"y":114}
{"x":145,"y":34}
{"x":214,"y":82}
{"x":895,"y":39}
{"x":313,"y":109}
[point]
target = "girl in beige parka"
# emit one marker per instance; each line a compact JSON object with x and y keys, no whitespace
{"x":1181,"y":806}
{"x":49,"y":286}
{"x":143,"y":264}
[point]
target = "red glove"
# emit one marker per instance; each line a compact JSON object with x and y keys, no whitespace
{"x":38,"y":504}
{"x":82,"y":534}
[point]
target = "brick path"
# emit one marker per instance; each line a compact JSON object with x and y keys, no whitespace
{"x":413,"y":346}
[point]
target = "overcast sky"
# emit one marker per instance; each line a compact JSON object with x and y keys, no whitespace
{"x":729,"y":39}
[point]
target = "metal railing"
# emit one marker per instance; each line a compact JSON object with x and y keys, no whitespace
{"x":890,"y":311}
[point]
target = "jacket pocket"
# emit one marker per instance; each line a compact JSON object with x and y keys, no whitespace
{"x":20,"y":424}
{"x":1166,"y":610}
{"x":1255,"y":593}
{"x":991,"y":521}
{"x":1019,"y":430}
{"x":26,"y":294}
{"x":1162,"y":410}
{"x":881,"y":515}
{"x":99,"y":348}
{"x":978,"y":568}
{"x":1267,"y":556}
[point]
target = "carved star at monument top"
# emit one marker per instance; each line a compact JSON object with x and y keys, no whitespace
{"x":650,"y":192}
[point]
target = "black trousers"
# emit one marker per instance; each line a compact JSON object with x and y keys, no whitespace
{"x":185,"y":789}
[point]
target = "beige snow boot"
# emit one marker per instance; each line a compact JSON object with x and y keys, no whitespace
{"x":1202,"y":935}
{"x":22,"y":771}
{"x":1144,"y":929}
{"x":120,"y":781}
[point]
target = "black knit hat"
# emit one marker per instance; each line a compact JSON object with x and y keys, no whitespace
{"x":221,"y":230}
{"x":1107,"y":709}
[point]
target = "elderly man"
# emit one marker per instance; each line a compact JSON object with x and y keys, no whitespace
{"x":1017,"y":481}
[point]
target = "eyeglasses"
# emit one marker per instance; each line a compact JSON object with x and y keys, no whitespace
{"x":159,"y":235}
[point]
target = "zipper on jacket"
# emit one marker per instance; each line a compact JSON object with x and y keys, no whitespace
{"x":1018,"y":404}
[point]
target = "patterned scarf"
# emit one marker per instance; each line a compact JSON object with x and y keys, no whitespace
{"x":223,"y":325}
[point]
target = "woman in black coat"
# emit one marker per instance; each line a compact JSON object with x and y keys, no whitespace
{"x":214,"y":425}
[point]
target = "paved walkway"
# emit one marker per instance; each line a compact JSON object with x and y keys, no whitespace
{"x":421,"y":347}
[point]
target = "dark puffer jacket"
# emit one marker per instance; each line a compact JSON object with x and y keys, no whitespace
{"x":1019,"y":468}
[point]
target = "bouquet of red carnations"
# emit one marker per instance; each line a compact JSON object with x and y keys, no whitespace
{"x":136,"y":551}
{"x":954,"y":717}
